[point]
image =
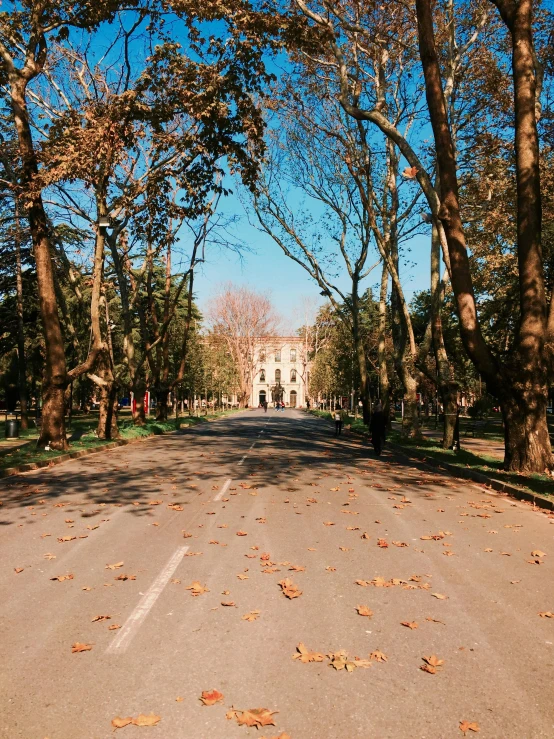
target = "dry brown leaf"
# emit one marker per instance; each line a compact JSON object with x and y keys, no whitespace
{"x":197,"y":588}
{"x":328,"y":523}
{"x":251,"y":616}
{"x":120,"y":723}
{"x":304,"y":654}
{"x":77,"y":647}
{"x":431,"y":664}
{"x":289,"y":588}
{"x":114,"y":627}
{"x":242,"y":533}
{"x":341,"y":661}
{"x":61,"y":578}
{"x":331,"y":569}
{"x":538,"y":553}
{"x":61,"y":539}
{"x":253,"y":717}
{"x":229,"y":603}
{"x":546,"y":614}
{"x":466,"y":726}
{"x":125,"y":577}
{"x":143,"y":720}
{"x":116,"y":566}
{"x":378,"y":656}
{"x":211,"y":697}
{"x":364,"y":611}
{"x":382,"y":543}
{"x":439,"y":596}
{"x":409,"y":624}
{"x":100,"y":618}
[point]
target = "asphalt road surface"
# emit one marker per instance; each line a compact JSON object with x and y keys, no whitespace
{"x":237,"y":507}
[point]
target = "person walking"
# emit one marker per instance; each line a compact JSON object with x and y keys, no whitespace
{"x":339,"y":417}
{"x":378,"y":428}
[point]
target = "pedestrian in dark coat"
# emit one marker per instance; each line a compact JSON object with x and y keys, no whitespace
{"x":378,"y":428}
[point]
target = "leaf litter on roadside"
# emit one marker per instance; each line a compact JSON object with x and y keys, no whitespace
{"x":289,"y":589}
{"x":252,"y":717}
{"x":211,"y":697}
{"x":140,"y":720}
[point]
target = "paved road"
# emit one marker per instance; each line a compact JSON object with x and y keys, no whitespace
{"x":279,"y":479}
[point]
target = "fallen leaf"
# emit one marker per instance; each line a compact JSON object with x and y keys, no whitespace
{"x":409,"y":624}
{"x":196,"y":588}
{"x":378,"y":656}
{"x":439,"y":596}
{"x":546,"y":614}
{"x":382,"y":543}
{"x":289,"y":588}
{"x":253,"y":717}
{"x":364,"y":611}
{"x":304,"y":654}
{"x":228,"y":603}
{"x":61,"y":578}
{"x":251,"y":616}
{"x":116,"y":566}
{"x":100,"y":618}
{"x":61,"y":539}
{"x":431,"y":664}
{"x":466,"y":726}
{"x":242,"y":533}
{"x":120,"y":723}
{"x":150,"y":720}
{"x":211,"y":697}
{"x":538,"y":553}
{"x":125,"y":577}
{"x":49,"y":555}
{"x":77,"y":647}
{"x":328,"y":523}
{"x":113,"y":627}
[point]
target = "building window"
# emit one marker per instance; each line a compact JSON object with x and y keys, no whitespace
{"x":262,"y":375}
{"x":293,"y":355}
{"x":293,"y":375}
{"x":262,"y":355}
{"x":278,"y":355}
{"x":277,"y":376}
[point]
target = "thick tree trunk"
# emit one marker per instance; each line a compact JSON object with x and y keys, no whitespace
{"x":526,"y":437}
{"x":21,"y":359}
{"x":162,"y":406}
{"x":107,"y":420}
{"x":55,"y":372}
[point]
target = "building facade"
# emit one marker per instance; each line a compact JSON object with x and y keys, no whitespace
{"x":281,"y":372}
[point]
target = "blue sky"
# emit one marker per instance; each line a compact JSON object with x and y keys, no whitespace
{"x":268,"y":271}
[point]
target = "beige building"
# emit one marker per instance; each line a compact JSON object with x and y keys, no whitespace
{"x":281,"y":372}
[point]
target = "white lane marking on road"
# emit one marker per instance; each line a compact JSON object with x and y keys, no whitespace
{"x":242,"y":460}
{"x":252,"y":445}
{"x":223,"y":489}
{"x":133,"y":623}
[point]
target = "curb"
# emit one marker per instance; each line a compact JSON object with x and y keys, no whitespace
{"x":540,"y":501}
{"x":11,"y":471}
